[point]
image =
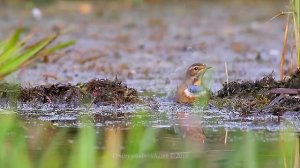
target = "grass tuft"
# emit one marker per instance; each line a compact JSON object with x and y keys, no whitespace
{"x":15,"y":53}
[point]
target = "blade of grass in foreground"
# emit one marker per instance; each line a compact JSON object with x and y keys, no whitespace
{"x":287,"y":144}
{"x":11,"y":47}
{"x":14,"y":53}
{"x":14,"y":151}
{"x":10,"y":54}
{"x":237,"y":156}
{"x":52,"y":157}
{"x":113,"y":146}
{"x":141,"y":142}
{"x":295,"y":7}
{"x":13,"y":65}
{"x":14,"y":39}
{"x":84,"y":150}
{"x":57,"y":47}
{"x":297,"y":10}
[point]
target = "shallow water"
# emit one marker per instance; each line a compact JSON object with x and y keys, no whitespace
{"x":163,"y":113}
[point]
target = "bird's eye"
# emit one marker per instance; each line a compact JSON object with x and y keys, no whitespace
{"x":196,"y":68}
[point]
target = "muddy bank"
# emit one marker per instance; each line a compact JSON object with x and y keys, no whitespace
{"x":263,"y":95}
{"x":96,"y":91}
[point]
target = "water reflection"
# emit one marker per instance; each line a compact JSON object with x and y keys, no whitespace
{"x":138,"y":144}
{"x":189,"y":127}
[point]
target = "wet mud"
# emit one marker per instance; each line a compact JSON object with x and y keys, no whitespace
{"x":96,"y":91}
{"x":263,"y":95}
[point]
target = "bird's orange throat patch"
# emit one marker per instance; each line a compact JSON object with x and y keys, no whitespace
{"x":197,"y":82}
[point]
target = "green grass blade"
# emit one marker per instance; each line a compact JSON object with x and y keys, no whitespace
{"x":12,"y":47}
{"x":9,"y":54}
{"x":84,"y":151}
{"x":140,"y":141}
{"x":28,"y":54}
{"x":250,"y":150}
{"x":297,"y":10}
{"x":52,"y":158}
{"x":13,"y":52}
{"x":14,"y":151}
{"x":57,"y":47}
{"x":2,"y":47}
{"x":13,"y":40}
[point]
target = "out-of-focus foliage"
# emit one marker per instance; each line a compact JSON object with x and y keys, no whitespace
{"x":133,"y":148}
{"x":15,"y":52}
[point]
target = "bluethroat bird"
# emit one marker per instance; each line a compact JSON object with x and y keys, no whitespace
{"x":192,"y":84}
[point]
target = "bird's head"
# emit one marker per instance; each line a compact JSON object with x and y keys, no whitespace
{"x":195,"y":73}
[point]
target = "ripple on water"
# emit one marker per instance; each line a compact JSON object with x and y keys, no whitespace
{"x":166,"y":114}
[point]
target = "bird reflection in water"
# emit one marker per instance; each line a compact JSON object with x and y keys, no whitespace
{"x":189,"y":127}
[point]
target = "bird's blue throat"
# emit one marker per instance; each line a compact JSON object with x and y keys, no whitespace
{"x":195,"y":89}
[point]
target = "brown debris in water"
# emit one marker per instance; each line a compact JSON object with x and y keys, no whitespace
{"x":245,"y":88}
{"x":54,"y":94}
{"x":96,"y":91}
{"x":257,"y":96}
{"x":294,"y":80}
{"x":113,"y":92}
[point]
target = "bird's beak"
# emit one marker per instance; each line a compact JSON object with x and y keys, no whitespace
{"x":208,"y":67}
